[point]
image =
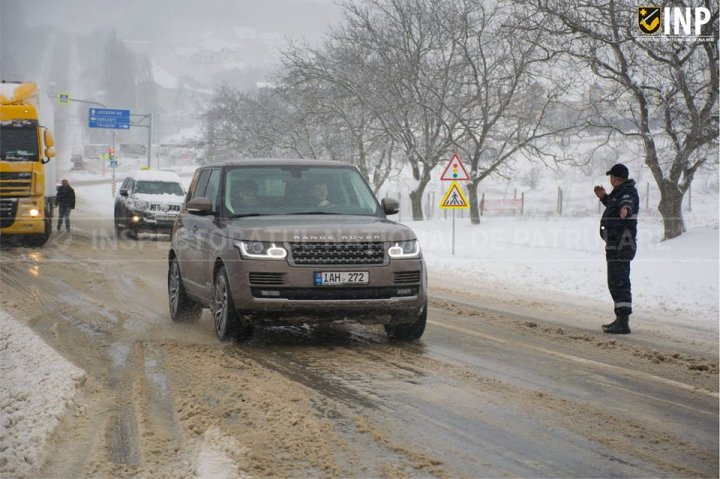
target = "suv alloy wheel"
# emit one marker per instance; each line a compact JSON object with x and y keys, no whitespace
{"x":226,"y":320}
{"x":182,"y":308}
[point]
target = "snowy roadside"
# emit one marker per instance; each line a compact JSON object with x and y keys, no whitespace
{"x":37,"y":386}
{"x":549,"y":256}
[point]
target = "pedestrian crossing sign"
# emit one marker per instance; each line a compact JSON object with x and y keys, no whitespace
{"x":454,"y":198}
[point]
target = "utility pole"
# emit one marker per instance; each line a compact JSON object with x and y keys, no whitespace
{"x":144,"y":121}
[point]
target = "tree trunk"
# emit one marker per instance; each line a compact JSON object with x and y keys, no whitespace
{"x":473,"y":199}
{"x":416,"y":201}
{"x":670,"y":208}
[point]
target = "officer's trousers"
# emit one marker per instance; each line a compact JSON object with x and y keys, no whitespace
{"x":618,"y":278}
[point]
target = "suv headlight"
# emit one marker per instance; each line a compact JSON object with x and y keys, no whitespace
{"x":139,"y":204}
{"x":404,"y":249}
{"x":260,"y":250}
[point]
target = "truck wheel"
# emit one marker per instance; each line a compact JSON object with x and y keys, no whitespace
{"x":225,"y":318}
{"x":408,"y":331}
{"x":182,"y":308}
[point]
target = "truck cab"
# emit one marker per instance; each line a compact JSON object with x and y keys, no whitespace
{"x":27,"y":169}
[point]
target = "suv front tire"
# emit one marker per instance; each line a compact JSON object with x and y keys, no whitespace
{"x":182,"y":308}
{"x":408,"y":331}
{"x":227,"y":323}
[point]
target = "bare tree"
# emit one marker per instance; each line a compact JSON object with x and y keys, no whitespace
{"x":504,"y":98}
{"x":332,"y":76}
{"x":405,"y":80}
{"x":663,"y":93}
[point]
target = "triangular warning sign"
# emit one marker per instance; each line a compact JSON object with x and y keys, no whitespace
{"x":454,"y":198}
{"x":455,"y":170}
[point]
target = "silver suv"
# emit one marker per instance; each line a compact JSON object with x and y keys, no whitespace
{"x":148,"y":200}
{"x":280,"y":242}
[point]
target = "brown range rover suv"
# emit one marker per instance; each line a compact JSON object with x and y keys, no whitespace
{"x":279,"y":242}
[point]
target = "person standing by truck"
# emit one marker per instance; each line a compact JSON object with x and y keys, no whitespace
{"x":66,"y":202}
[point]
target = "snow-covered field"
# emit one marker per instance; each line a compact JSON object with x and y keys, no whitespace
{"x":565,"y":255}
{"x":540,"y":253}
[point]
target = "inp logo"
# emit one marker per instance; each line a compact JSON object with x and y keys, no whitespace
{"x":649,"y":19}
{"x":675,"y":22}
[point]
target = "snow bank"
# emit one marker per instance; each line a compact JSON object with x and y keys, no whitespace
{"x":566,"y":255}
{"x":36,"y":386}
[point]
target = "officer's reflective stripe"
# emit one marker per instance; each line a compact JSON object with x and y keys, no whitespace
{"x":623,"y":305}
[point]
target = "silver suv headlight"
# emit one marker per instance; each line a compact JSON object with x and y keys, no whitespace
{"x":261,"y":250}
{"x":139,"y":204}
{"x":404,"y":249}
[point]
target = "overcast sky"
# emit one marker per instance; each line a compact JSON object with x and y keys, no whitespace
{"x":181,"y":23}
{"x":185,"y":17}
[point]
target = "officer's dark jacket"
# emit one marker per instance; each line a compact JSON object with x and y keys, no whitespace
{"x":620,"y":234}
{"x":66,"y":197}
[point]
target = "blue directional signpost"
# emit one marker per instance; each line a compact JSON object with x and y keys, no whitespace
{"x":109,"y":118}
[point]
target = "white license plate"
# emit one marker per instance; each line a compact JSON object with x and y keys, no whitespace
{"x":165,"y":217}
{"x":335,"y":278}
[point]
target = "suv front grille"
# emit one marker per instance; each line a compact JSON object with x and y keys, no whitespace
{"x":338,"y":253}
{"x":8,"y":209}
{"x":267,"y":279}
{"x":407,"y":277}
{"x":16,"y":184}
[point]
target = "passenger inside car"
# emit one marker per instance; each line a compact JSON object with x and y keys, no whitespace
{"x":244,"y":194}
{"x":319,"y":192}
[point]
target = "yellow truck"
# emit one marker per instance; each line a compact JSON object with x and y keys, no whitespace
{"x":27,"y":165}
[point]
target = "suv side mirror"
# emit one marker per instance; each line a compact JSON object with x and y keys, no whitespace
{"x":390,"y":206}
{"x":123,"y":192}
{"x":200,"y":206}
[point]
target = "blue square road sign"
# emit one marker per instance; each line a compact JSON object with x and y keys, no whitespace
{"x":109,"y":118}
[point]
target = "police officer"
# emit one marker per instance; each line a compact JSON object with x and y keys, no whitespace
{"x":618,"y":228}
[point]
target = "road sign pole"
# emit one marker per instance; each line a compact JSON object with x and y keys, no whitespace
{"x":453,"y":234}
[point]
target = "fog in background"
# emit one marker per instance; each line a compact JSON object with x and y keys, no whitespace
{"x":163,"y":56}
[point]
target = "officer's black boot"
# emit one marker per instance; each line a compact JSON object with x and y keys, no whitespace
{"x":620,"y":326}
{"x":609,"y":325}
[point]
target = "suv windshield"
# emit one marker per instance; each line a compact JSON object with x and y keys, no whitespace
{"x":297,"y":190}
{"x":19,"y":143}
{"x":159,"y":188}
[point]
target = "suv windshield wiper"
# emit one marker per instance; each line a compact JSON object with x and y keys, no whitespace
{"x":314,"y":213}
{"x":251,"y":214}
